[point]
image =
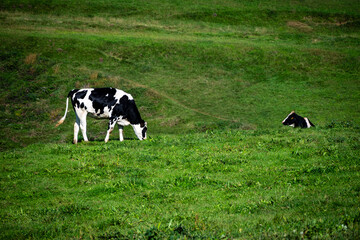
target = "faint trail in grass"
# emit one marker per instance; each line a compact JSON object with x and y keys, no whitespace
{"x":164,"y":94}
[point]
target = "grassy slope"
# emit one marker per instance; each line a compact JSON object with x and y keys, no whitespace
{"x":191,"y":67}
{"x":247,"y":66}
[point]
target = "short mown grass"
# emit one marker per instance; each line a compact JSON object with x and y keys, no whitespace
{"x":220,"y":184}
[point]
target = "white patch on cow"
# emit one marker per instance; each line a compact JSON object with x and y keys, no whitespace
{"x":308,"y":125}
{"x":138,"y":131}
{"x":288,"y":116}
{"x":123,"y":122}
{"x":120,"y":93}
{"x":99,"y":115}
{"x":292,"y":125}
{"x":87,"y":103}
{"x":121,"y":130}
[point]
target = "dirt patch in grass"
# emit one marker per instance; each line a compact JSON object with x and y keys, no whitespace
{"x":31,"y":59}
{"x":303,"y":27}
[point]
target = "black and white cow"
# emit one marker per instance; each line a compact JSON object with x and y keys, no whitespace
{"x":109,"y":103}
{"x":295,"y":120}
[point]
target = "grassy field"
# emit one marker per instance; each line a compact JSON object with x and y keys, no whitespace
{"x":213,"y":80}
{"x":233,"y":184}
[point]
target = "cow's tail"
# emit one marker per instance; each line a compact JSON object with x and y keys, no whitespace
{"x":63,"y":118}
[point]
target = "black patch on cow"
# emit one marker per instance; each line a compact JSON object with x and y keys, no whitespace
{"x":119,"y":110}
{"x":101,"y":98}
{"x":72,"y":92}
{"x":128,"y":110}
{"x":78,"y":95}
{"x":133,"y":114}
{"x":124,"y":99}
{"x":144,"y":132}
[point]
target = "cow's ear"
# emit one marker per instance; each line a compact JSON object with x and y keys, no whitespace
{"x":142,"y":124}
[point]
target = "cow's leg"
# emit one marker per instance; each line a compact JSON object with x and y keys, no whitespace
{"x":112,"y":123}
{"x":81,"y":119}
{"x":121,"y":130}
{"x":83,"y":126}
{"x":76,"y":129}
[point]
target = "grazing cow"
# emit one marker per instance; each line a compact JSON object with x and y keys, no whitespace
{"x":110,"y":103}
{"x":295,"y":120}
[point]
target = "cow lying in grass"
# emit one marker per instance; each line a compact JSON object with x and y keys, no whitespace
{"x":109,"y":103}
{"x":295,"y":120}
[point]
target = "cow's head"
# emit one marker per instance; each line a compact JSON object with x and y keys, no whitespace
{"x":140,"y":130}
{"x":291,"y":119}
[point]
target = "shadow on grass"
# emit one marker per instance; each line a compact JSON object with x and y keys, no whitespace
{"x":95,"y":140}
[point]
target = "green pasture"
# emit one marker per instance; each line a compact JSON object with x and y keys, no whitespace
{"x":221,"y":184}
{"x":214,"y":80}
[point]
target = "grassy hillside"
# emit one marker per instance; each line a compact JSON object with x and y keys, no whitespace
{"x":214,"y":80}
{"x":190,"y":67}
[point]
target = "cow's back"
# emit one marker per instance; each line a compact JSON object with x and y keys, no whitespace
{"x":98,"y":102}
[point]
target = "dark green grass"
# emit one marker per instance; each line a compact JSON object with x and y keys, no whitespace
{"x":229,"y":12}
{"x":234,"y":184}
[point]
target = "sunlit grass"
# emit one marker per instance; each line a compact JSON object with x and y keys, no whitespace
{"x":213,"y":80}
{"x":236,"y":184}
